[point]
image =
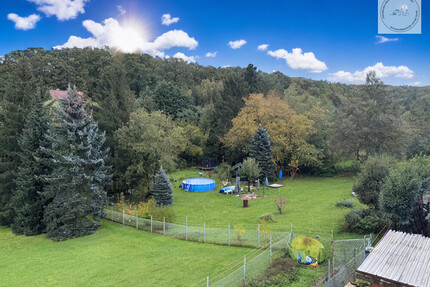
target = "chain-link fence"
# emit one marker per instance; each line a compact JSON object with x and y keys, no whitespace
{"x":252,"y":264}
{"x":231,"y":235}
{"x":347,"y":256}
{"x":343,"y":256}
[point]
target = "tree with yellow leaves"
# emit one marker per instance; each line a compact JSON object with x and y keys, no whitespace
{"x":288,"y":131}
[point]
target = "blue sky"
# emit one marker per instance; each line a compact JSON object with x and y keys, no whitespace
{"x":323,"y":40}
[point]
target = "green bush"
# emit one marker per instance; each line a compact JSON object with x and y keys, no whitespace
{"x":307,"y":246}
{"x":268,"y":217}
{"x":364,"y":221}
{"x":345,"y":203}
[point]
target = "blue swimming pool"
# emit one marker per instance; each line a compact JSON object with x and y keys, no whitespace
{"x":198,"y":184}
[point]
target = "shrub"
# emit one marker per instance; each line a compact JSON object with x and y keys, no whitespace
{"x":364,"y":221}
{"x":146,"y":209}
{"x":280,"y":204}
{"x":268,"y":217}
{"x":307,"y":246}
{"x":240,"y":232}
{"x":223,"y":172}
{"x":345,"y":203}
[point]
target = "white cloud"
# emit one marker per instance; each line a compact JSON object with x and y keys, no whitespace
{"x":211,"y":54}
{"x":120,"y":10}
{"x":24,"y":23}
{"x":167,"y":20}
{"x":262,"y":47}
{"x":128,"y":39}
{"x":236,"y":44}
{"x":380,"y":70}
{"x":382,"y":39}
{"x":299,"y":60}
{"x":175,"y":38}
{"x":62,"y":9}
{"x":416,"y":83}
{"x":189,"y":59}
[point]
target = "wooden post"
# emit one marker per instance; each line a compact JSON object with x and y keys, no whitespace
{"x":164,"y":226}
{"x":123,"y":216}
{"x":137,"y":222}
{"x":151,"y":223}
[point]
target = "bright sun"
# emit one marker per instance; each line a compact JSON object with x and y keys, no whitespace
{"x":130,"y":37}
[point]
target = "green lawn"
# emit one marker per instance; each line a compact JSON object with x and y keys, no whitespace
{"x":310,"y":207}
{"x":113,"y":256}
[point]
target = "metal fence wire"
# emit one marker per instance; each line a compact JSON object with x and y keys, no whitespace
{"x":344,"y":255}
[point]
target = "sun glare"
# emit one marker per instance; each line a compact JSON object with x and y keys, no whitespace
{"x":131,"y":37}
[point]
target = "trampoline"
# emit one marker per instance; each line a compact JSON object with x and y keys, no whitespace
{"x":198,"y":184}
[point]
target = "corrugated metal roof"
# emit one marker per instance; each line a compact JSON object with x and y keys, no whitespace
{"x":400,"y":257}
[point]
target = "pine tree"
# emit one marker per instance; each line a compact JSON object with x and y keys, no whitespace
{"x":78,"y":181}
{"x":261,"y":150}
{"x":27,"y":201}
{"x":162,"y":190}
{"x":18,"y":92}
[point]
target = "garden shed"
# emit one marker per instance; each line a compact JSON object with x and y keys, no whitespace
{"x":399,"y":259}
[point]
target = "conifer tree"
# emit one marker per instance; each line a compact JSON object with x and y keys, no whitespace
{"x":18,"y":92}
{"x":162,"y":190}
{"x":261,"y":150}
{"x":27,"y":201}
{"x":78,"y":181}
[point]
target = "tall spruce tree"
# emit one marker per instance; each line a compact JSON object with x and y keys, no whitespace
{"x":162,"y":190}
{"x":261,"y":150}
{"x":78,"y":181}
{"x":26,"y":200}
{"x":18,"y":91}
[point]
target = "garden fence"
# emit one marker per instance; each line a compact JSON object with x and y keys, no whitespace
{"x":344,"y":256}
{"x":347,"y":257}
{"x":227,"y":234}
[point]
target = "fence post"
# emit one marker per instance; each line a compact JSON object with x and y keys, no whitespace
{"x":164,"y":226}
{"x":364,"y":247}
{"x":207,"y":281}
{"x":204,"y":232}
{"x":244,"y":270}
{"x":258,"y":235}
{"x":270,"y":248}
{"x":137,"y":222}
{"x":355,"y":260}
{"x":186,"y":227}
{"x":229,"y":234}
{"x":123,"y":216}
{"x":329,"y":271}
{"x":332,"y":249}
{"x":291,"y":232}
{"x":151,"y":223}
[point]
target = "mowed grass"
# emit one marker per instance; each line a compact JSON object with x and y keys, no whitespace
{"x":310,"y":208}
{"x":113,"y":256}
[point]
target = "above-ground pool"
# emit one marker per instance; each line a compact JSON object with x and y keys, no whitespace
{"x":198,"y":184}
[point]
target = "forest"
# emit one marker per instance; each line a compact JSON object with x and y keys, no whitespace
{"x":168,"y":113}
